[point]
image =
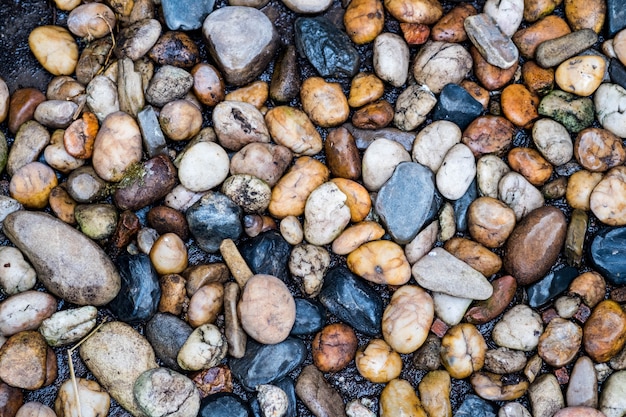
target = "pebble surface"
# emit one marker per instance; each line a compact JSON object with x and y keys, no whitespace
{"x":424,"y":200}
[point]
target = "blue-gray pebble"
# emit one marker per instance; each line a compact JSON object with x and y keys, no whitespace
{"x":212,"y":219}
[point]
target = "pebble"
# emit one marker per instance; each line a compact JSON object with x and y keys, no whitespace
{"x":422,"y":243}
{"x":519,"y":194}
{"x":538,"y":80}
{"x":545,"y":396}
{"x":603,"y":250}
{"x":582,"y":389}
{"x":365,"y":88}
{"x":334,"y":347}
{"x":224,"y":404}
{"x":489,"y":134}
{"x":450,"y":27}
{"x":581,"y":75}
{"x":80,"y":136}
{"x":364,"y":20}
{"x":575,"y":238}
{"x":55,"y":113}
{"x":391,"y":59}
{"x":614,"y":17}
{"x":84,"y":186}
{"x":448,"y":309}
{"x":380,"y":161}
{"x":352,"y":300}
{"x":285,"y":83}
{"x":530,"y":164}
{"x":22,"y":107}
{"x":11,"y":399}
{"x":25,"y":311}
{"x":327,"y":48}
{"x":258,"y":365}
{"x":605,"y":331}
{"x":213,"y":380}
{"x":457,"y":105}
{"x":548,"y":287}
{"x":529,"y":38}
{"x":268,"y":253}
{"x":272,"y":400}
{"x":410,"y":189}
{"x":434,"y":141}
{"x":399,"y":398}
{"x":494,"y":45}
{"x":136,"y":40}
{"x":317,"y":394}
{"x":434,"y":392}
{"x":16,"y":275}
{"x":519,"y":105}
{"x":180,"y":120}
{"x":102,"y":98}
{"x":553,"y":141}
{"x":212,"y":219}
{"x":28,"y":231}
{"x":173,"y":294}
{"x":186,"y":15}
{"x":175,"y":48}
{"x":91,"y":21}
{"x":310,"y":317}
{"x":237,"y":124}
{"x":441,"y":63}
{"x":208,"y":84}
{"x":560,"y":342}
{"x":607,"y":101}
{"x":163,"y":392}
{"x":96,"y":221}
{"x":117,"y":146}
{"x":292,"y":128}
{"x":354,"y":236}
{"x":265,"y":161}
{"x":489,"y":170}
{"x":612,"y":402}
{"x":456,"y":172}
{"x":380,"y":262}
{"x":585,"y":15}
{"x":474,"y":406}
{"x":325,"y":214}
{"x":167,"y":334}
{"x":54,"y":48}
{"x":250,"y":193}
{"x":579,"y":188}
{"x":204,"y":348}
{"x":127,"y":355}
{"x":575,"y":113}
{"x":140,"y":292}
{"x":598,"y":150}
{"x":205,"y":304}
{"x":504,"y":289}
{"x":324,"y":102}
{"x":378,"y":362}
{"x":463,"y":350}
{"x":167,"y":220}
{"x":23,"y":361}
{"x":504,"y":361}
{"x":5,"y":98}
{"x":519,"y":329}
{"x":31,"y":185}
{"x":407,"y":319}
{"x":490,"y":221}
{"x":309,"y":264}
{"x":475,"y":255}
{"x":92,"y":398}
{"x":492,"y":387}
{"x":413,"y":106}
{"x":442,"y":272}
{"x":507,"y":14}
{"x":554,"y":51}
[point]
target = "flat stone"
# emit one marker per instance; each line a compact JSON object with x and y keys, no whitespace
{"x":328,"y":49}
{"x":317,"y":394}
{"x":457,"y":105}
{"x":90,"y":279}
{"x":405,"y":199}
{"x":442,"y":272}
{"x":554,"y":51}
{"x":582,"y":389}
{"x":550,"y":286}
{"x":606,"y":253}
{"x":186,"y":14}
{"x":493,"y":45}
{"x":151,"y":133}
{"x":241,"y":40}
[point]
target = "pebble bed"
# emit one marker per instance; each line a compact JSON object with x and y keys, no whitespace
{"x":426,"y":221}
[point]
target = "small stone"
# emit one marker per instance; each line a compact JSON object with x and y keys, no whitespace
{"x":238,"y":124}
{"x":391,"y":59}
{"x":553,"y":141}
{"x":293,"y":129}
{"x":463,"y":350}
{"x":489,"y":170}
{"x":136,"y":40}
{"x":607,"y":100}
{"x":519,"y":105}
{"x":31,"y":185}
{"x":265,"y":161}
{"x":334,"y":347}
{"x":504,"y":289}
{"x":415,"y":11}
{"x":456,"y":105}
{"x":208,"y":84}
{"x":93,"y":399}
{"x":342,"y":155}
{"x":204,"y":348}
{"x":117,"y":146}
{"x":504,"y":361}
{"x":317,"y":394}
{"x":415,"y":33}
{"x":492,"y":387}
{"x":607,"y":152}
{"x":490,"y":221}
{"x":55,"y":49}
{"x":324,"y":102}
{"x":612,"y":402}
{"x":559,"y":343}
{"x":309,"y":264}
{"x":538,"y":80}
{"x":413,"y":106}
{"x":22,"y":106}
{"x":16,"y":274}
{"x":380,"y":161}
{"x":30,"y":140}
{"x":575,"y":113}
{"x":491,"y":76}
{"x":582,"y":389}
{"x":285,"y":83}
{"x":554,"y":51}
{"x":378,"y":362}
{"x":310,"y":317}
{"x":528,"y":39}
{"x":585,"y":15}
{"x":488,"y":38}
{"x":186,"y":15}
{"x":605,"y":247}
{"x":545,"y":396}
{"x":530,"y":164}
{"x":167,"y":334}
{"x":456,"y":172}
{"x":155,"y":390}
{"x":475,"y":255}
{"x":268,"y":253}
{"x":519,"y":329}
{"x":474,"y":406}
{"x":489,"y":134}
{"x":399,"y":398}
{"x":605,"y":331}
{"x":450,"y":27}
{"x":180,"y":120}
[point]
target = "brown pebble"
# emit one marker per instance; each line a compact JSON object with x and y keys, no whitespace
{"x":334,"y":347}
{"x":213,"y":380}
{"x":415,"y":33}
{"x":11,"y":399}
{"x":364,"y":20}
{"x":374,"y":115}
{"x":450,"y":27}
{"x":127,"y":227}
{"x":489,"y":134}
{"x":317,"y":394}
{"x":605,"y":331}
{"x":490,"y":221}
{"x":528,"y":39}
{"x":23,"y":360}
{"x":365,"y":88}
{"x":474,"y":254}
{"x":598,"y":150}
{"x":235,"y":262}
{"x":62,"y":204}
{"x":31,"y":185}
{"x":357,"y":198}
{"x":530,"y":164}
{"x":206,"y":304}
{"x":175,"y":48}
{"x":255,"y":93}
{"x":538,"y":80}
{"x":579,"y":411}
{"x":324,"y":102}
{"x":80,"y":136}
{"x":519,"y":105}
{"x":504,"y":289}
{"x":208,"y":84}
{"x":202,"y":274}
{"x":164,"y":219}
{"x":618,"y":295}
{"x":490,"y":76}
{"x":22,"y":106}
{"x":285,"y":83}
{"x":548,"y":315}
{"x":583,"y":313}
{"x":560,"y":342}
{"x":342,"y":156}
{"x":591,"y":288}
{"x":439,"y":328}
{"x":562,"y":376}
{"x":173,"y":296}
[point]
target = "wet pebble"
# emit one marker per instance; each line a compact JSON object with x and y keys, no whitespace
{"x":440,"y":63}
{"x":309,"y":264}
{"x":212,"y":219}
{"x":489,"y":134}
{"x":550,"y":286}
{"x":167,"y":334}
{"x":554,"y":51}
{"x":490,"y":221}
{"x":325,"y":214}
{"x":457,"y":105}
{"x":504,"y":361}
{"x":263,"y":160}
{"x":140,"y":292}
{"x":23,"y":360}
{"x":519,"y":329}
{"x":475,"y":255}
{"x":45,"y":39}
{"x":607,"y":99}
{"x":317,"y":394}
{"x":237,"y":124}
{"x":92,"y":398}
{"x":603,"y":250}
{"x":391,"y":59}
{"x":407,"y":319}
{"x":450,"y":27}
{"x":605,"y":331}
{"x":582,"y":389}
{"x":560,"y":342}
{"x":310,"y":317}
{"x":553,"y":141}
{"x":224,"y":405}
{"x":334,"y":347}
{"x":399,"y":398}
{"x":463,"y":350}
{"x":474,"y":406}
{"x":25,"y":311}
{"x":504,"y":289}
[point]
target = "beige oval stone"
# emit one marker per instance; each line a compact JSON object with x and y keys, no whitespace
{"x":581,"y":75}
{"x":55,"y":49}
{"x":378,"y":362}
{"x":380,"y":262}
{"x":31,"y":185}
{"x":324,"y":102}
{"x":325,"y":214}
{"x":118,"y":145}
{"x":354,"y":236}
{"x":490,"y":221}
{"x":608,"y":199}
{"x":398,"y":398}
{"x":169,"y":254}
{"x":407,"y":319}
{"x":463,"y":350}
{"x":365,"y":88}
{"x":579,"y":188}
{"x":293,"y":129}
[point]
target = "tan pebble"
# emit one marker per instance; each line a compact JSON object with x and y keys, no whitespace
{"x":365,"y":88}
{"x":450,"y":27}
{"x":291,"y":230}
{"x":475,"y":255}
{"x":598,"y":149}
{"x":434,"y":391}
{"x":415,"y":11}
{"x":55,"y":49}
{"x":491,"y":387}
{"x":91,"y":21}
{"x":354,"y":236}
{"x":489,"y":134}
{"x":289,"y":195}
{"x":169,"y":254}
{"x":579,"y":188}
{"x":619,"y":46}
{"x":528,"y":39}
{"x":407,"y":318}
{"x":35,"y":409}
{"x":590,"y":286}
{"x":62,"y":204}
{"x":579,"y":411}
{"x":293,"y":129}
{"x":202,"y":274}
{"x":173,"y":294}
{"x":357,"y":198}
{"x":263,"y":160}
{"x":463,"y":350}
{"x":364,"y":20}
{"x":236,"y":264}
{"x":80,"y":136}
{"x":519,"y":105}
{"x":381,"y":262}
{"x":378,"y":362}
{"x":415,"y":33}
{"x":604,"y":333}
{"x":31,"y":185}
{"x":206,"y":304}
{"x":208,"y":84}
{"x":180,"y":120}
{"x":530,"y":164}
{"x":342,"y":155}
{"x":538,"y":80}
{"x":585,"y":14}
{"x":324,"y":102}
{"x":398,"y":398}
{"x":267,"y":310}
{"x":608,"y":199}
{"x":334,"y":347}
{"x":479,"y":93}
{"x":255,"y":94}
{"x":118,"y":145}
{"x":490,"y":221}
{"x":581,"y":75}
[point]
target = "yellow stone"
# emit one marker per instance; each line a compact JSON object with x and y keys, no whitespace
{"x":381,"y":262}
{"x":581,"y":75}
{"x":55,"y":49}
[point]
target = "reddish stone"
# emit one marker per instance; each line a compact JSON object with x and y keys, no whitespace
{"x":489,"y":134}
{"x":548,"y":315}
{"x":415,"y":33}
{"x":583,"y":313}
{"x":504,"y":289}
{"x":562,"y":376}
{"x":22,"y":106}
{"x":213,"y":380}
{"x":439,"y":327}
{"x":127,"y":227}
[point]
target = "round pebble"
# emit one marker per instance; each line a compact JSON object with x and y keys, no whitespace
{"x":378,"y":362}
{"x":334,"y":347}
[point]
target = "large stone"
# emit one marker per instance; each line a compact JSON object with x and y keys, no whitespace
{"x":89,"y":279}
{"x":404,"y":202}
{"x":241,"y":40}
{"x":613,"y":397}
